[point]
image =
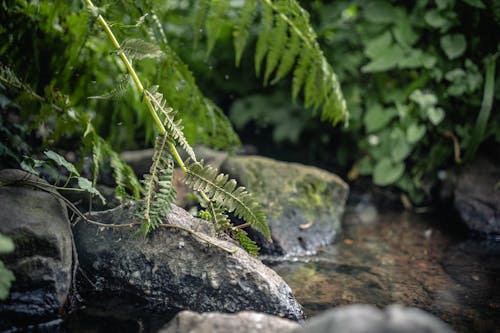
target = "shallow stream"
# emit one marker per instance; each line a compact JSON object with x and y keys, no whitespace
{"x":405,"y":258}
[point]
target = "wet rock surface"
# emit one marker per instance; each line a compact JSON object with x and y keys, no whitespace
{"x":361,"y":318}
{"x":38,"y":224}
{"x":215,"y":322}
{"x":173,"y":269}
{"x":303,"y":204}
{"x":477,"y":196}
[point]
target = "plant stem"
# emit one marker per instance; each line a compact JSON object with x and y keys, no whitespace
{"x":140,"y":88}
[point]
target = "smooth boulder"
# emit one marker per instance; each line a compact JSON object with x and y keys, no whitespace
{"x":361,"y":318}
{"x":304,"y":204}
{"x":177,"y":267}
{"x":38,"y":224}
{"x":216,"y":322}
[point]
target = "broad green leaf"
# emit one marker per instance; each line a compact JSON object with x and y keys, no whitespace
{"x":387,"y":172}
{"x":475,"y":3}
{"x":424,"y":100}
{"x":453,"y":45}
{"x":435,"y":115}
{"x":61,"y":161}
{"x":435,"y":19}
{"x":86,"y":185}
{"x":404,"y":33}
{"x":380,"y":12}
{"x":365,"y":166}
{"x":378,"y":45}
{"x":376,"y":117}
{"x":400,"y":148}
{"x":412,"y":60}
{"x":387,"y":59}
{"x":415,"y":132}
{"x":6,"y":244}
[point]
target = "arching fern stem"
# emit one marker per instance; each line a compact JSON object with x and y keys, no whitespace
{"x":140,"y":88}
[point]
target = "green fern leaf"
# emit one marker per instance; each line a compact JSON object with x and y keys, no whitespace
{"x":311,"y":88}
{"x":173,"y":127}
{"x":224,"y":192}
{"x":277,"y":45}
{"x":216,"y":19}
{"x":288,"y":57}
{"x":241,"y":28}
{"x":140,"y":49}
{"x":261,"y":48}
{"x":159,"y":192}
{"x":119,"y":91}
{"x":249,"y":245}
{"x":199,"y":18}
{"x":216,"y":215}
{"x":300,"y":73}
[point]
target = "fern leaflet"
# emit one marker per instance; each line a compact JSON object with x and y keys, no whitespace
{"x":173,"y":126}
{"x":158,"y":191}
{"x":249,"y":245}
{"x":139,"y":49}
{"x":119,"y":91}
{"x":241,"y":28}
{"x":223,"y":191}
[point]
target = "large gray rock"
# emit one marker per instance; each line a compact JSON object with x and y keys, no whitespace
{"x":38,"y":224}
{"x":477,"y":196}
{"x":369,"y":319}
{"x":173,"y":269}
{"x":216,"y":322}
{"x":304,"y":204}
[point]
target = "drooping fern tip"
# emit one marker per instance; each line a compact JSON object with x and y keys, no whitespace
{"x":225,"y":193}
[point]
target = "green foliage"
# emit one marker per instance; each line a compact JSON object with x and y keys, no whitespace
{"x":225,"y":192}
{"x":413,"y":80}
{"x":6,"y":276}
{"x":158,"y":190}
{"x":285,"y":42}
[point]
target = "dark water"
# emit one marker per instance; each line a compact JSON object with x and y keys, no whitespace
{"x":405,"y":258}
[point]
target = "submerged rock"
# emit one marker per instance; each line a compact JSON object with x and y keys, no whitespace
{"x":477,"y":196}
{"x":362,"y":318}
{"x":38,"y":224}
{"x":304,"y":204}
{"x":216,"y":322}
{"x":174,"y":269}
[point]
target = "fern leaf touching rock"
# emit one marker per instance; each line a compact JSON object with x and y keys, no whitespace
{"x":224,"y":191}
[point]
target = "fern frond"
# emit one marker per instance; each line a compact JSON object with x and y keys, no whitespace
{"x":158,"y":191}
{"x":216,"y":215}
{"x":140,"y":49}
{"x":288,"y":57}
{"x":119,"y":91}
{"x":173,"y":126}
{"x":241,"y":28}
{"x":215,"y":20}
{"x":286,"y":41}
{"x":277,"y":44}
{"x":300,"y":73}
{"x":224,"y":192}
{"x":249,"y":245}
{"x":266,"y":25}
{"x":10,"y":79}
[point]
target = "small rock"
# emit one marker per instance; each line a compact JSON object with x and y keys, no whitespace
{"x":216,"y":322}
{"x":362,"y":318}
{"x":38,"y":224}
{"x":179,"y":270}
{"x":303,"y":204}
{"x":477,"y":196}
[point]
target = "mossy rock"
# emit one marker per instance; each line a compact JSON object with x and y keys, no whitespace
{"x":304,"y":204}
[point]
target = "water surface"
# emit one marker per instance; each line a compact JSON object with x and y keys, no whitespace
{"x":405,"y":258}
